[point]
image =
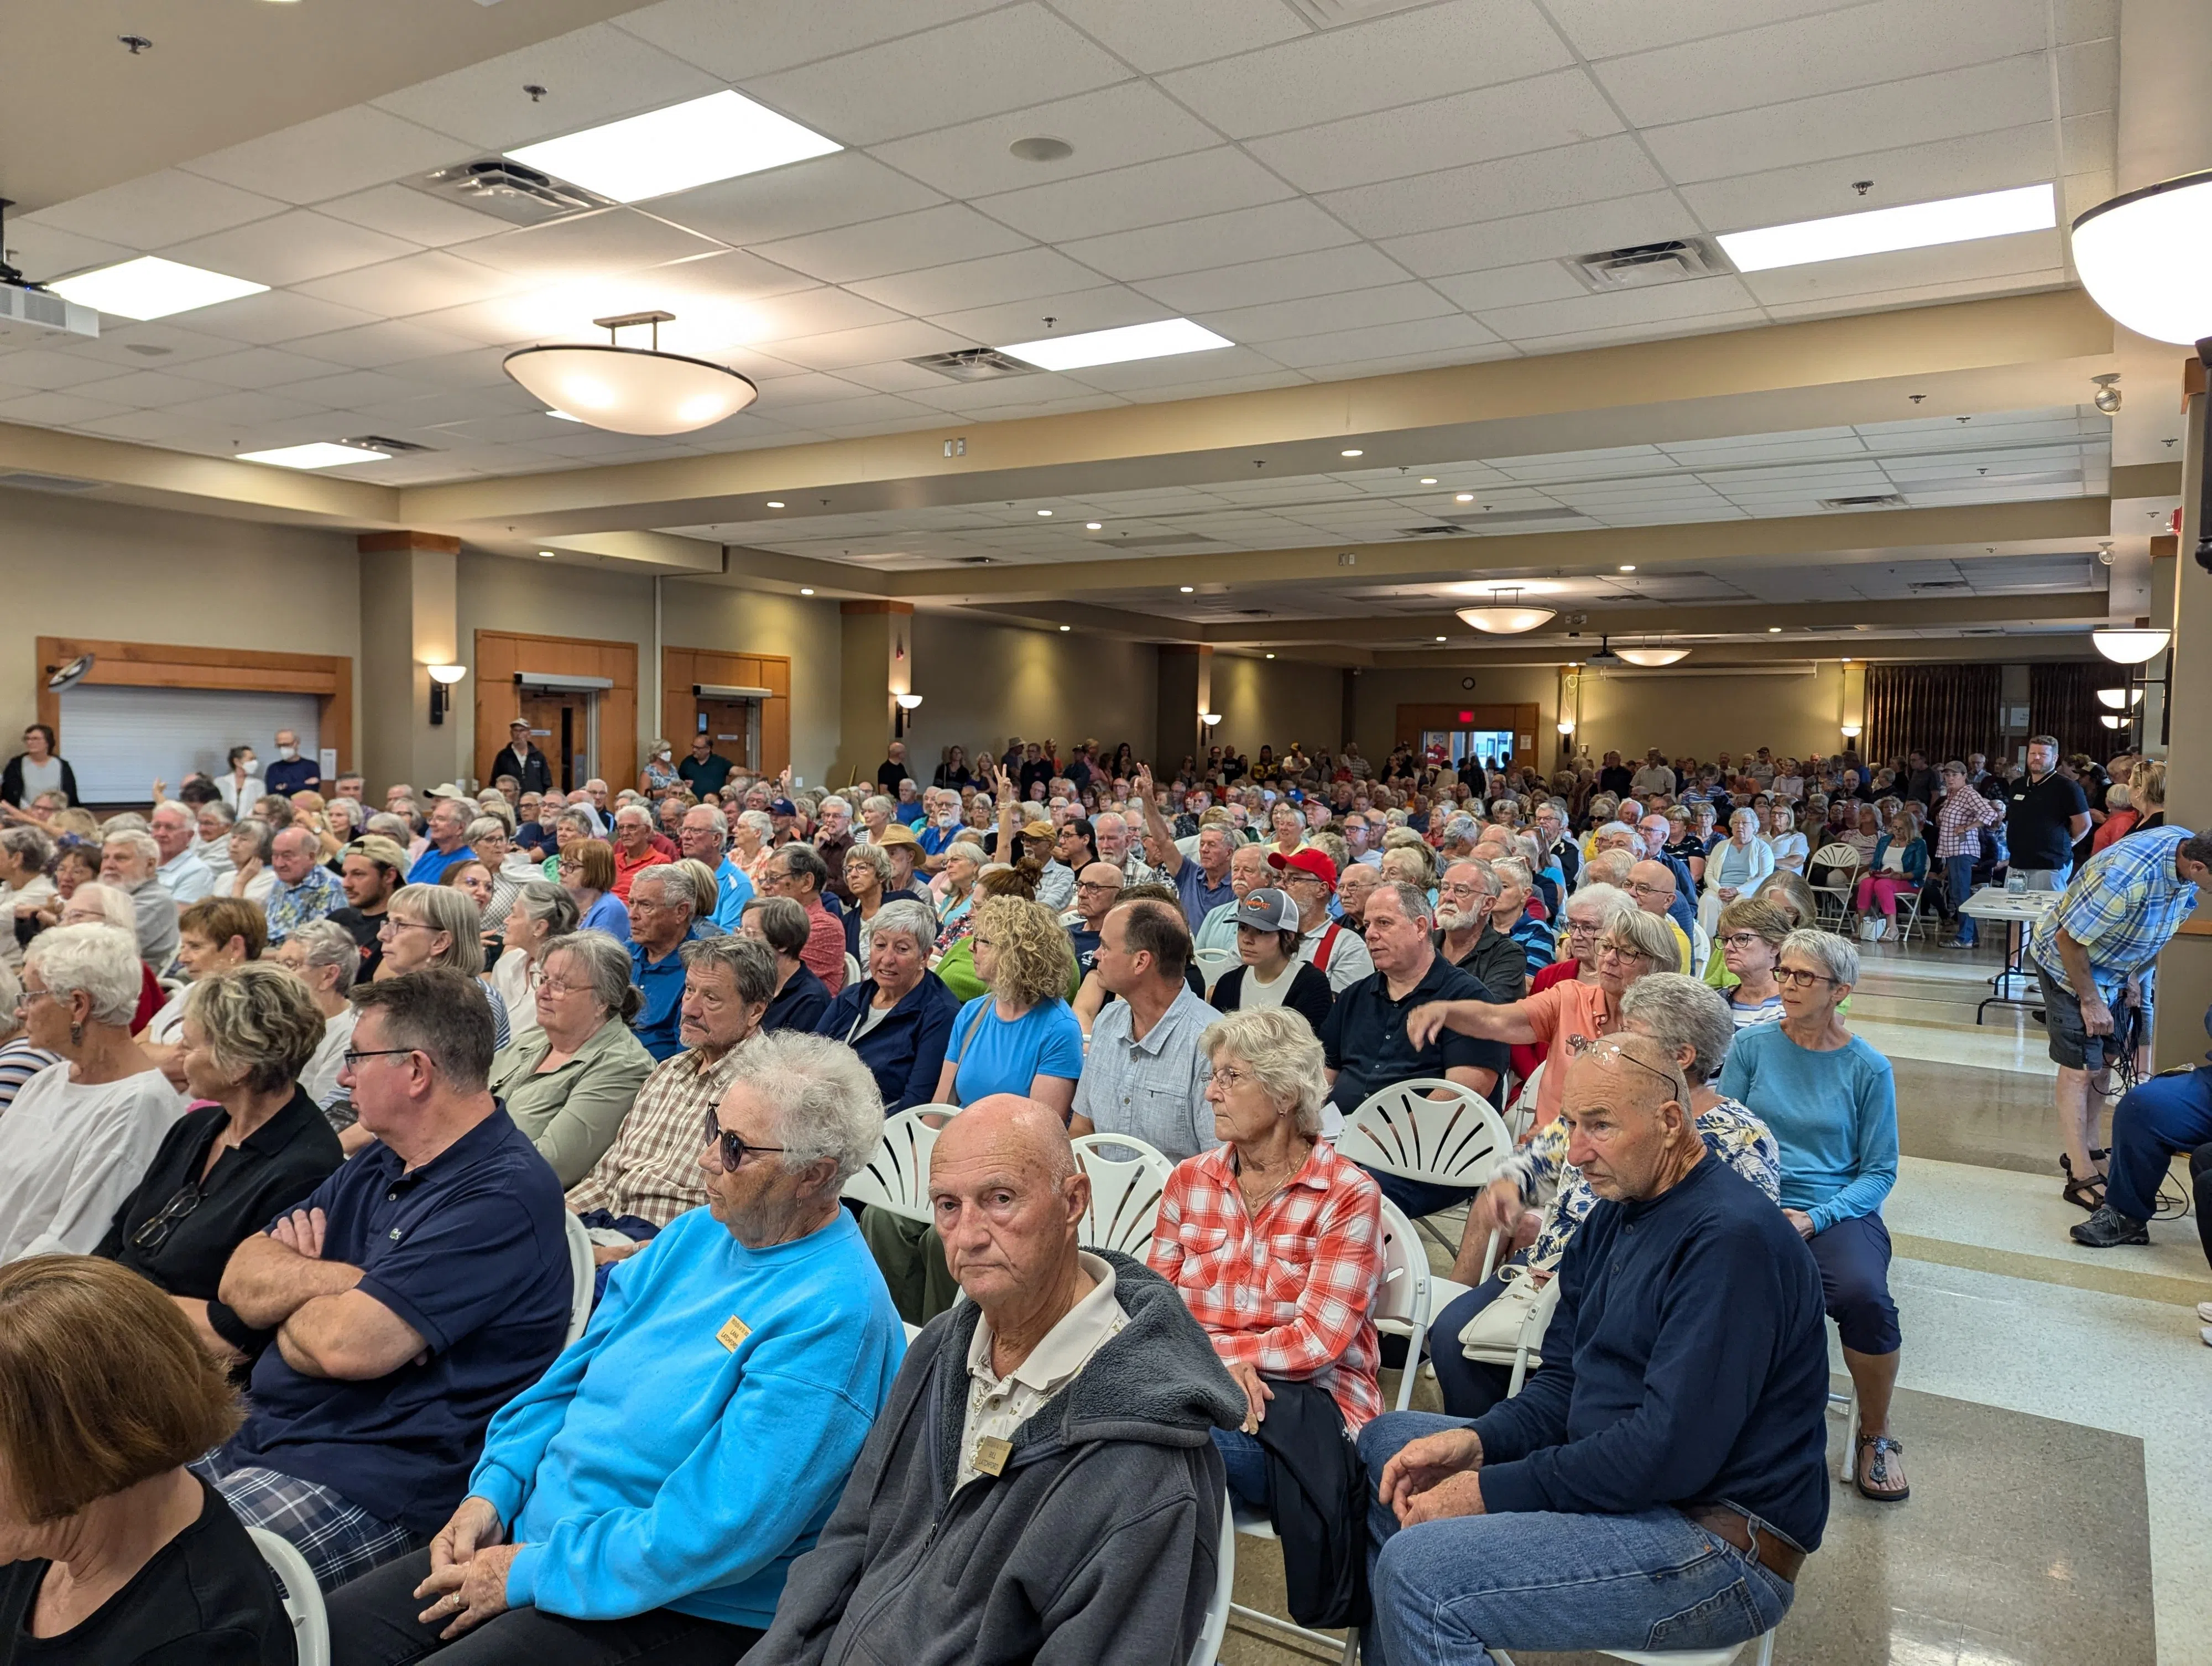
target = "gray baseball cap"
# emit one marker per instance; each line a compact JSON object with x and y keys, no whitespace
{"x":1268,"y":910}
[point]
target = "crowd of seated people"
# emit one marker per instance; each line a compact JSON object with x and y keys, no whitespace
{"x":328,"y":1088}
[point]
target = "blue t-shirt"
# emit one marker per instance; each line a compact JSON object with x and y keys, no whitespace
{"x":609,"y":914}
{"x":998,"y":1057}
{"x":1833,"y":1115}
{"x":471,"y":1250}
{"x":661,"y":982}
{"x":430,"y":866}
{"x":732,"y":891}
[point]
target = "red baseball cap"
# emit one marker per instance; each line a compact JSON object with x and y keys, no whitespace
{"x":1308,"y":860}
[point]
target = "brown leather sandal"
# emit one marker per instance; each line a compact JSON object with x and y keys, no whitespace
{"x":2086,"y":1191}
{"x":1878,"y":1475}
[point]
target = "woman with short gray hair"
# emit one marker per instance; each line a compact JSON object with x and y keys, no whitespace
{"x":899,"y":1015}
{"x":569,"y":1086}
{"x":823,"y":1099}
{"x":1831,"y":1102}
{"x":323,"y":955}
{"x":19,"y":1060}
{"x":249,"y":877}
{"x":80,"y":1132}
{"x":24,"y":887}
{"x":1271,"y":1233}
{"x":541,"y":913}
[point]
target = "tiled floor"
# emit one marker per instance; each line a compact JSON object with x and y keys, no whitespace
{"x":2054,"y":1401}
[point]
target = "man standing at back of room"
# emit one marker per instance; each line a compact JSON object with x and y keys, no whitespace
{"x":2046,"y":814}
{"x":292,"y":773}
{"x":707,"y":769}
{"x":520,"y":758}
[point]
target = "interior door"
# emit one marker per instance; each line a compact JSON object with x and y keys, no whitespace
{"x":560,"y":725}
{"x":734,"y":727}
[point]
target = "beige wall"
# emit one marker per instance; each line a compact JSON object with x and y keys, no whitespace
{"x":1274,"y":702}
{"x":701,"y":613}
{"x":980,"y":682}
{"x":1681,"y":710}
{"x":77,"y":567}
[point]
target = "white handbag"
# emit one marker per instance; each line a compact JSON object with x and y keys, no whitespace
{"x":1872,"y":927}
{"x":1497,"y":1328}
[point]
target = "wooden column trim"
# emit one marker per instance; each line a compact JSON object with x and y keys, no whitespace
{"x":851,"y":608}
{"x":388,"y":544}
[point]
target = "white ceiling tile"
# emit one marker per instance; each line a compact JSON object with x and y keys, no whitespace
{"x":1578,"y":340}
{"x":1540,"y":113}
{"x":1392,"y":303}
{"x":246,"y":407}
{"x":414,"y":216}
{"x":56,"y":409}
{"x":1956,"y":166}
{"x":1606,"y":28}
{"x":354,"y":390}
{"x":151,"y":428}
{"x":347,"y":150}
{"x":1511,"y":286}
{"x":1371,"y":66}
{"x":1598,"y":171}
{"x":1924,"y":295}
{"x":156,"y":210}
{"x":417,"y":283}
{"x":999,"y":277}
{"x":46,"y":370}
{"x":1357,"y":266}
{"x":594,"y":75}
{"x":893,"y":376}
{"x":1209,"y":182}
{"x":1553,"y":234}
{"x":813,"y":196}
{"x":150,"y":390}
{"x":1106,"y":308}
{"x":1872,"y":274}
{"x":1449,"y":359}
{"x":836,"y":350}
{"x":979,"y":66}
{"x":1384,"y":341}
{"x":2089,"y":76}
{"x":1221,"y":239}
{"x":46,"y":252}
{"x":263,"y":367}
{"x":2011,"y":92}
{"x":1114,"y":127}
{"x":1213,"y":388}
{"x":736,"y":42}
{"x":1860,"y":46}
{"x":278,"y":315}
{"x":288,"y":248}
{"x":370,"y":346}
{"x":814,"y":313}
{"x":867,"y":409}
{"x":1166,"y":34}
{"x":613,"y":241}
{"x":125,"y":345}
{"x":902,"y":243}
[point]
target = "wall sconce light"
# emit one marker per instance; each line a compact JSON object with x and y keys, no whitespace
{"x":1209,"y":718}
{"x":2112,"y":720}
{"x":1851,"y":731}
{"x":907,"y":702}
{"x":441,"y":679}
{"x":2119,"y":699}
{"x":1566,"y":725}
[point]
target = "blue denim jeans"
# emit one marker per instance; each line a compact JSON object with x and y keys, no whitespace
{"x":1246,"y":1461}
{"x":1447,"y":1592}
{"x":2165,"y":1116}
{"x":1958,"y":886}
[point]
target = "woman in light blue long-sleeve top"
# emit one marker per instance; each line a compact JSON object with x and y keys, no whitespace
{"x":1830,"y":1101}
{"x":1738,"y":863}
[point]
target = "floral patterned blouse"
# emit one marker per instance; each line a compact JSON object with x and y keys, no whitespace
{"x":1540,"y":1168}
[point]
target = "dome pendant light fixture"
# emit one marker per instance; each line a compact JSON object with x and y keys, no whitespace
{"x":1505,"y":614}
{"x":1652,"y":657}
{"x":2142,"y":257}
{"x":2126,"y":645}
{"x":631,"y":390}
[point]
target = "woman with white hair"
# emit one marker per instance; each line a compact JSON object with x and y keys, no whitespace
{"x":1272,"y":1240}
{"x":249,"y":877}
{"x":750,"y":833}
{"x":1736,"y":868}
{"x":323,"y":955}
{"x":80,"y":1131}
{"x":541,"y":913}
{"x":898,"y":1017}
{"x":20,"y":1058}
{"x":24,"y":887}
{"x":569,"y":1083}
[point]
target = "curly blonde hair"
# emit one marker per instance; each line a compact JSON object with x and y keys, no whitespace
{"x":1034,"y":959}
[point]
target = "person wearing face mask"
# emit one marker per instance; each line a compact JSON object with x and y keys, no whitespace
{"x":292,"y":773}
{"x":240,"y":783}
{"x":659,"y":777}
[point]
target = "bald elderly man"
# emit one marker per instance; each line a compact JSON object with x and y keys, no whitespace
{"x":1043,"y":1484}
{"x":1652,"y":884}
{"x":1660,"y":1478}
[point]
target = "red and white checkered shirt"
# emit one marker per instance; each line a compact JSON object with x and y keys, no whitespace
{"x":1290,"y":1292}
{"x":1960,"y":817}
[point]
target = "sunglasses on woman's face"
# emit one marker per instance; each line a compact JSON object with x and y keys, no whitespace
{"x":733,"y":1146}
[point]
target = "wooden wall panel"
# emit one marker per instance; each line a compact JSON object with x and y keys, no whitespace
{"x":329,"y":676}
{"x":681,"y":667}
{"x":1520,"y":718}
{"x":501,"y":654}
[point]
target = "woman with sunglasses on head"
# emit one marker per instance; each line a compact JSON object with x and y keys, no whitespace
{"x":226,"y":1168}
{"x":1831,"y":1102}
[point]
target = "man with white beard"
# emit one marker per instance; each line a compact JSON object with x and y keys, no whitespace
{"x":1468,"y":938}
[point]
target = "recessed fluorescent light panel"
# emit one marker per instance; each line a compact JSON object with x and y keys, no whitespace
{"x":322,"y":455}
{"x":1134,"y":341}
{"x":150,"y":287}
{"x":1881,"y":231}
{"x":716,"y":137}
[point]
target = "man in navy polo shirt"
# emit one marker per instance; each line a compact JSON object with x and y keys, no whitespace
{"x":662,"y":901}
{"x":412,"y":1294}
{"x":1364,"y":1038}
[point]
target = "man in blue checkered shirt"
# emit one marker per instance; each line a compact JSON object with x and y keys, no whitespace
{"x":2119,"y":911}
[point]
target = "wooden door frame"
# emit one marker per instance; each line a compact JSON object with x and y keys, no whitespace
{"x":328,"y":677}
{"x":1516,"y":717}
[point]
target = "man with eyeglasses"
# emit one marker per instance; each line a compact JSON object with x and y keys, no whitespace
{"x":424,"y":1284}
{"x":1652,"y":884}
{"x":1098,"y":886}
{"x":1466,"y":937}
{"x":797,"y":871}
{"x":662,"y":900}
{"x":1308,"y":877}
{"x":645,"y":1499}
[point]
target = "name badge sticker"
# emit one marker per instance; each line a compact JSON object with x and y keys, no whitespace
{"x":992,"y":1453}
{"x":734,"y":1330}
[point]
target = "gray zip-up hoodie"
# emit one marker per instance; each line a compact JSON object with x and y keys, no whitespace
{"x":1097,"y":1546}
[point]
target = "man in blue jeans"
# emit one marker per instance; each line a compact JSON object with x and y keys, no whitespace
{"x":1959,"y":818}
{"x":1659,"y":1481}
{"x":2167,"y":1114}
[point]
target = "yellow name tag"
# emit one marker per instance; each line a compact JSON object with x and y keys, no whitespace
{"x":992,"y":1453}
{"x":734,"y":1330}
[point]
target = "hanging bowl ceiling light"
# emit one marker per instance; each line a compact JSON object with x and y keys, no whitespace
{"x":2130,"y":645}
{"x":631,"y":390}
{"x":1653,"y":657}
{"x":1502,"y":617}
{"x":2142,"y":257}
{"x":2119,"y":699}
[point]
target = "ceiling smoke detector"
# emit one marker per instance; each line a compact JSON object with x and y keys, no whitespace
{"x":1644,"y":264}
{"x":974,"y":364}
{"x":508,"y":191}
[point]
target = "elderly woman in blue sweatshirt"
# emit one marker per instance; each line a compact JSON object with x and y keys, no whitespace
{"x":647,"y":1497}
{"x":1830,"y":1101}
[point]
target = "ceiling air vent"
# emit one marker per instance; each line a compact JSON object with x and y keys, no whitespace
{"x":381,"y":442}
{"x":47,"y":483}
{"x":1981,"y":630}
{"x":1447,"y":530}
{"x":1176,"y":542}
{"x":508,"y":191}
{"x":1930,"y":586}
{"x":1870,"y":501}
{"x":975,"y":364}
{"x":1641,"y":266}
{"x":975,"y":561}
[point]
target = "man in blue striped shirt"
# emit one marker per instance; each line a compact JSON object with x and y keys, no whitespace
{"x":2124,"y":906}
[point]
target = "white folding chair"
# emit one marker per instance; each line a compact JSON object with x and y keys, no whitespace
{"x":853,"y":973}
{"x":1454,"y":1139}
{"x":303,"y":1597}
{"x":1765,"y":1642}
{"x":1213,"y":963}
{"x":1850,"y":1405}
{"x":1127,"y":1179}
{"x":1832,"y":902}
{"x":1208,"y":1651}
{"x":1403,"y":1295}
{"x":583,"y":1272}
{"x":1254,"y":1525}
{"x":1521,"y":1115}
{"x":898,"y":1175}
{"x":1527,"y":1346}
